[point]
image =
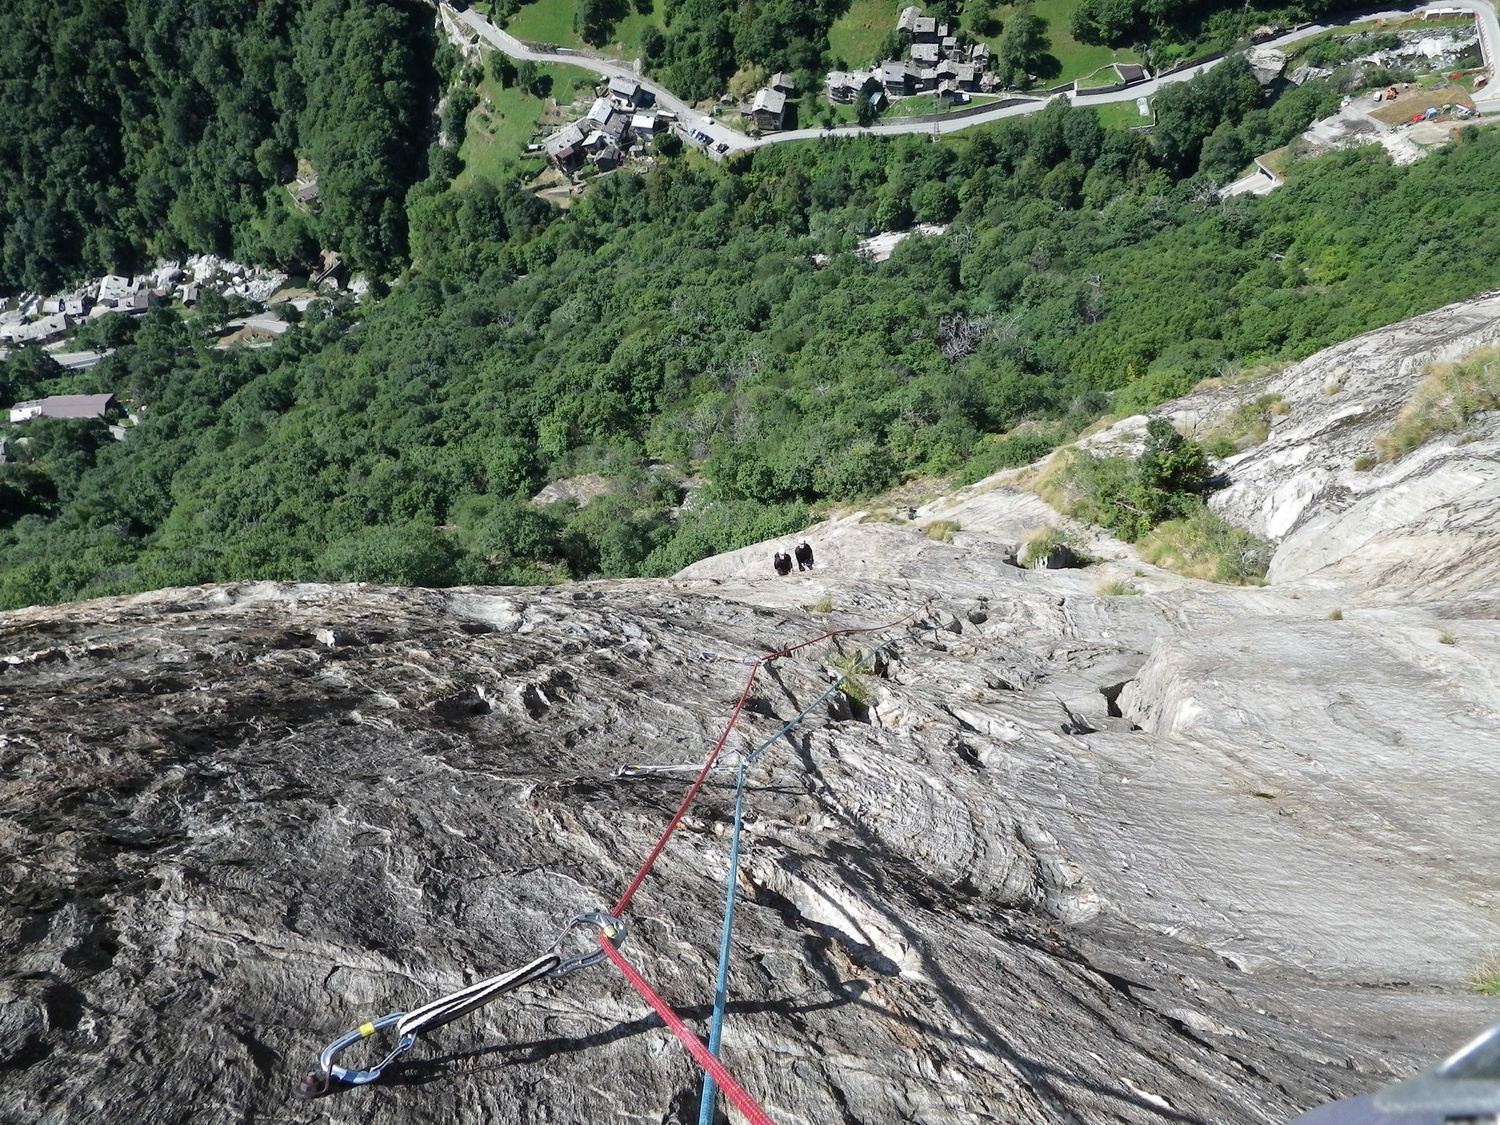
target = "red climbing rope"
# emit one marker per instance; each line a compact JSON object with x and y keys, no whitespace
{"x":732,"y":1089}
{"x":695,"y":1047}
{"x":713,"y":754}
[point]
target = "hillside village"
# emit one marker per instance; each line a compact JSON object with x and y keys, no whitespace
{"x":621,"y":123}
{"x":936,"y":59}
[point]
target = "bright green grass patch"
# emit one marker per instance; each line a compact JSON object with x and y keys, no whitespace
{"x":501,"y":125}
{"x":1076,"y":59}
{"x":552,"y":21}
{"x":924,"y":104}
{"x":626,"y":41}
{"x":856,"y":35}
{"x":1120,"y":115}
{"x":1203,"y":545}
{"x":547,"y":21}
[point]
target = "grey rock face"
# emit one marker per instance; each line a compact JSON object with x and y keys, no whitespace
{"x":226,"y":841}
{"x":1198,"y":855}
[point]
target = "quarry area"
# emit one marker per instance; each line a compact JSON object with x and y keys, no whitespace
{"x":1087,"y":844}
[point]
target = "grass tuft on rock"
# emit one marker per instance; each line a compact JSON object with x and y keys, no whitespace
{"x":822,"y":605}
{"x":1116,"y":589}
{"x":941,"y":531}
{"x":1486,"y":980}
{"x":1203,"y":545}
{"x":1443,"y":402}
{"x":1247,"y":426}
{"x":1042,"y":543}
{"x":853,"y":685}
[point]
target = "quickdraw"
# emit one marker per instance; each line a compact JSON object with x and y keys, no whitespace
{"x":407,"y":1026}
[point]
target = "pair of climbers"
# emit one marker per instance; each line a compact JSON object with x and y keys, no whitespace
{"x":782,"y":562}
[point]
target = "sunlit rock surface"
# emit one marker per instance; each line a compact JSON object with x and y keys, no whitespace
{"x":1200,"y":854}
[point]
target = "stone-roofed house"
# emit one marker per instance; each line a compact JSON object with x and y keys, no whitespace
{"x":949,"y":94}
{"x":846,"y":86}
{"x":768,"y":108}
{"x":616,"y":127}
{"x":565,"y":147}
{"x":1131,"y":72}
{"x":601,"y":111}
{"x":894,"y":79}
{"x":907,"y":23}
{"x":925,"y":53}
{"x":782,"y":83}
{"x":965,"y":76}
{"x":629,"y":94}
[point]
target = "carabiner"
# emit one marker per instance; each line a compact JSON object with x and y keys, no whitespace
{"x":607,"y":924}
{"x":315,"y":1083}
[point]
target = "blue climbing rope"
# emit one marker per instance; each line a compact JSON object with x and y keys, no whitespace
{"x":721,"y":979}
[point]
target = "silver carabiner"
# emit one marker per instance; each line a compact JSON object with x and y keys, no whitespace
{"x":607,"y":924}
{"x":315,"y":1083}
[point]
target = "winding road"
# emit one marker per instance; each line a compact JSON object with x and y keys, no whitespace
{"x":1486,"y":100}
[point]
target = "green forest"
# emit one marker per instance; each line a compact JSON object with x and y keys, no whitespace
{"x":672,"y":335}
{"x":138,"y":128}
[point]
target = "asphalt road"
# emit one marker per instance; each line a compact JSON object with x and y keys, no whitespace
{"x":1486,"y":100}
{"x":71,"y":361}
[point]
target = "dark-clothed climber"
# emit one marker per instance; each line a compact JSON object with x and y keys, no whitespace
{"x":782,"y":562}
{"x":803,"y":551}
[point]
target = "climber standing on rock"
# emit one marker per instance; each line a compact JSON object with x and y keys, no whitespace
{"x":804,"y":554}
{"x":782,"y":562}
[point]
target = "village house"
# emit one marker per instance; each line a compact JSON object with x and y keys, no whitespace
{"x":846,"y":86}
{"x":305,"y":191}
{"x":601,"y":111}
{"x":782,"y":83}
{"x":894,"y":79}
{"x":935,"y":60}
{"x":963,"y":76}
{"x":1131,"y":72}
{"x":63,"y":406}
{"x":768,"y":109}
{"x":643,"y":125}
{"x":629,"y":94}
{"x":42,"y":331}
{"x":113,"y":289}
{"x":565,"y":147}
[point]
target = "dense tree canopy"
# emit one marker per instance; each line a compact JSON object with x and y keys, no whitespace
{"x":1203,"y":23}
{"x":673,"y":325}
{"x":169,"y":124}
{"x":670,"y":335}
